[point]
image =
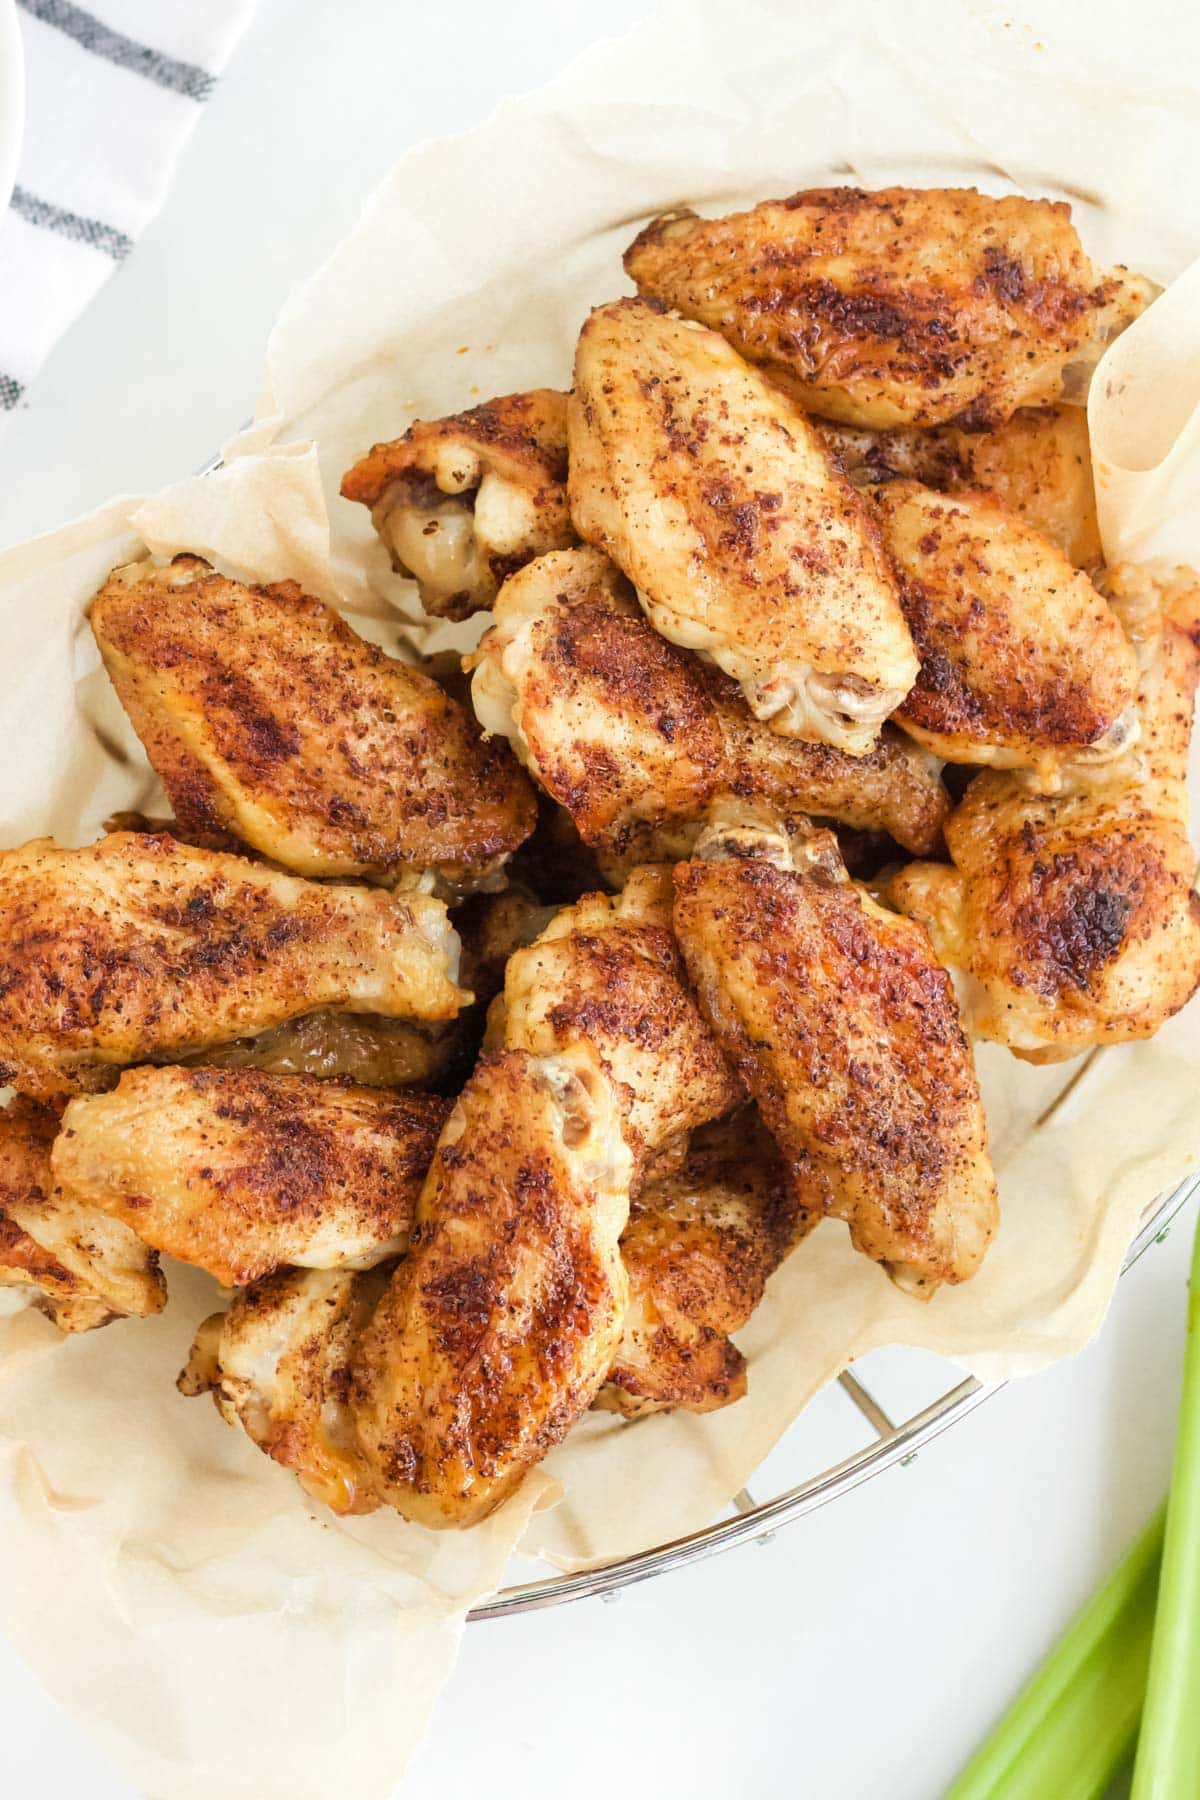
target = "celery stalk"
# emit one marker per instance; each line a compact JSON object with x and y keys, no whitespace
{"x":1168,"y":1757}
{"x":1073,"y":1728}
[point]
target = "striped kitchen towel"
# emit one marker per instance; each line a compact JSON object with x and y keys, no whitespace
{"x":112,"y":92}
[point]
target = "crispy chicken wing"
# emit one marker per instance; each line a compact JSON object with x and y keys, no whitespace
{"x":700,"y":1244}
{"x":87,"y":1269}
{"x":720,"y":502}
{"x":278,"y":1364}
{"x":138,"y":947}
{"x":899,"y":307}
{"x":241,"y":1173}
{"x":846,"y":1031}
{"x":1074,"y":917}
{"x":635,"y":736}
{"x":462,"y":502}
{"x":267,"y":717}
{"x":1023,"y":664}
{"x":498,"y":1329}
{"x":1039,"y":462}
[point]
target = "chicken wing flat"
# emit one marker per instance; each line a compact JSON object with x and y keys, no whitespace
{"x":635,"y":737}
{"x":265,"y":716}
{"x":241,"y":1173}
{"x":906,"y":306}
{"x":720,"y":502}
{"x":1074,"y":916}
{"x":846,"y":1032}
{"x":278,"y":1364}
{"x":1023,"y":663}
{"x":499,"y":1327}
{"x":1039,"y":462}
{"x":698,"y":1249}
{"x":87,"y":1269}
{"x":138,"y":947}
{"x":462,"y":502}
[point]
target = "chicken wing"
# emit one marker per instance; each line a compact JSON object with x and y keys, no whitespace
{"x":138,"y":947}
{"x":846,"y":1032}
{"x":698,"y":1249}
{"x":241,"y":1173}
{"x":1023,"y":664}
{"x":635,"y":736}
{"x":1074,"y":916}
{"x":899,"y":307}
{"x":462,"y":502}
{"x":1039,"y":462}
{"x":720,"y":502}
{"x":265,"y":716}
{"x":87,"y":1269}
{"x":278,"y":1364}
{"x":362,"y":1048}
{"x":498,"y":1329}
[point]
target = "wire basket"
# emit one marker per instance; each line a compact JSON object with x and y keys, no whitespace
{"x":894,"y":1442}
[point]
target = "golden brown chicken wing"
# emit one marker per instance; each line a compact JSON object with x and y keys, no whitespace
{"x":87,"y":1269}
{"x":498,"y":1329}
{"x":635,"y":736}
{"x":462,"y":502}
{"x":1039,"y":462}
{"x":1023,"y":664}
{"x":278,"y":1364}
{"x":899,"y":307}
{"x":1075,"y":917}
{"x":267,"y":717}
{"x":241,"y":1173}
{"x":138,"y":947}
{"x":720,"y":502}
{"x":846,"y":1031}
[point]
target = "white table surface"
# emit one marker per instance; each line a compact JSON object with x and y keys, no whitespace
{"x":864,"y":1652}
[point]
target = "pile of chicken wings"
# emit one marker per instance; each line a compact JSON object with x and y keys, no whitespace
{"x":493,"y":1041}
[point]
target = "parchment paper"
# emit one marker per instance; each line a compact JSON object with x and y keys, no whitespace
{"x":167,"y":1582}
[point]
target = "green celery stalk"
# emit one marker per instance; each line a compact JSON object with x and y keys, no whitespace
{"x":1168,"y":1756}
{"x":1073,"y":1728}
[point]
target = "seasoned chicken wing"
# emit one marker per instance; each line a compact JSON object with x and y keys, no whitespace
{"x":720,"y":502}
{"x":1039,"y":462}
{"x":846,"y":1031}
{"x":906,"y":306}
{"x":1075,"y":917}
{"x":278,"y":1364}
{"x":266,"y":717}
{"x":138,"y":947}
{"x":499,"y":1327}
{"x":635,"y":736}
{"x":462,"y":502}
{"x":242,"y":1173}
{"x":1023,"y":664}
{"x":700,"y":1244}
{"x":87,"y":1269}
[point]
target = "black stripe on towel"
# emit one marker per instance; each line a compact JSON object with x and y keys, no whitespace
{"x":10,"y":392}
{"x":94,"y":35}
{"x":92,"y":232}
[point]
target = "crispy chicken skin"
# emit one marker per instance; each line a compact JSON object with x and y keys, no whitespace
{"x":899,"y":307}
{"x":1039,"y":462}
{"x":138,"y":947}
{"x":635,"y":736}
{"x":1023,"y":663}
{"x":265,"y":716}
{"x":462,"y":502}
{"x":241,"y":1173}
{"x":278,"y":1364}
{"x":1074,"y":917}
{"x":498,"y":1329}
{"x":846,"y":1032}
{"x":87,"y":1269}
{"x":720,"y":502}
{"x":700,"y":1244}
